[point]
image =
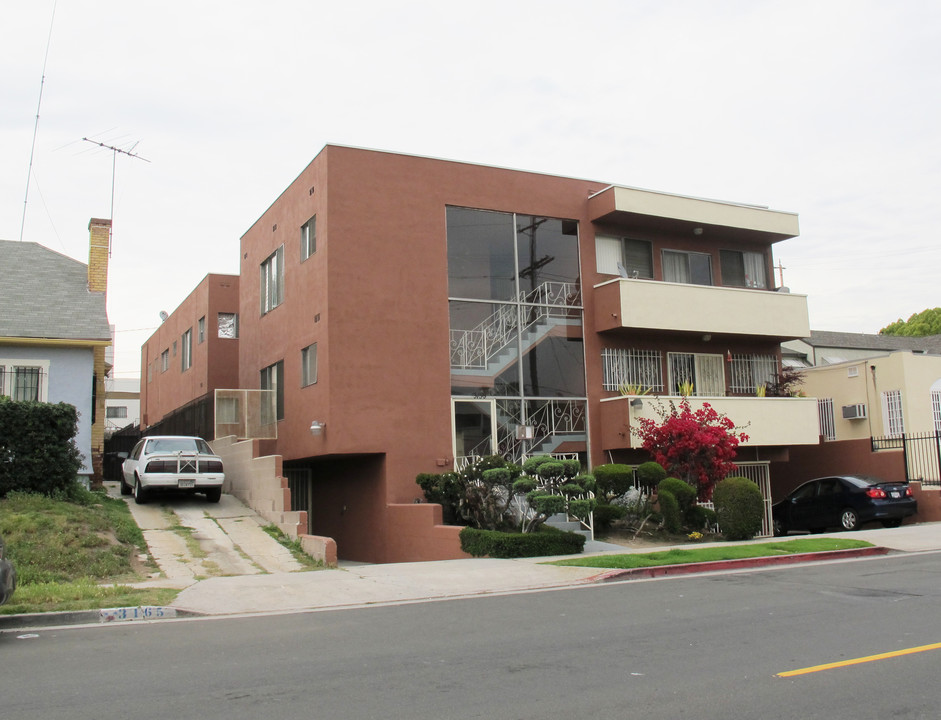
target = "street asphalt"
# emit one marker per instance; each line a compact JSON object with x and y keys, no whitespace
{"x":235,"y":568}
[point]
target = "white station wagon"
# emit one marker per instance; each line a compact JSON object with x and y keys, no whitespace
{"x":172,"y":463}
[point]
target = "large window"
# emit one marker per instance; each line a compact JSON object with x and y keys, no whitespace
{"x":893,"y":425}
{"x":272,"y":378}
{"x":186,"y":355}
{"x":687,"y":267}
{"x":309,"y":365}
{"x":626,"y":257}
{"x":272,"y":281}
{"x":308,"y":238}
{"x":514,"y":286}
{"x":696,"y":374}
{"x":743,"y":269}
{"x":750,"y":373}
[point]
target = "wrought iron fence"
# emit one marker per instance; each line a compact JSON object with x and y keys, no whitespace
{"x":921,"y":452}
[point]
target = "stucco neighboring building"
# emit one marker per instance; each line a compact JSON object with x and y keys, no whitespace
{"x":409,"y":314}
{"x":54,"y":332}
{"x":122,"y":403}
{"x":827,"y":347}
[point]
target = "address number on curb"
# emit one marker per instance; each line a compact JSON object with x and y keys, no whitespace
{"x":145,"y":612}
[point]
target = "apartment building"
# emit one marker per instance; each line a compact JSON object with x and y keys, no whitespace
{"x":408,"y":314}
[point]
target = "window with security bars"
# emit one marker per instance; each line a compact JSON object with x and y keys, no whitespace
{"x":696,"y":374}
{"x":892,"y":413}
{"x":622,"y":368}
{"x":749,"y":372}
{"x":826,"y":417}
{"x":23,"y":383}
{"x":936,"y":409}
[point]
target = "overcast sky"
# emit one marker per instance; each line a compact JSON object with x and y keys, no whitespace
{"x":828,"y":109}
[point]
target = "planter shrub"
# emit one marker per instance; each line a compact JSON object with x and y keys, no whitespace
{"x":607,"y":515}
{"x":613,"y":480}
{"x":739,"y":508}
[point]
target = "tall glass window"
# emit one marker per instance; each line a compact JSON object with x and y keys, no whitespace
{"x":516,"y":324}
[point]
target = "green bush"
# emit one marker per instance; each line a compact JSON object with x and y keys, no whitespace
{"x":613,"y":480}
{"x":700,"y":518}
{"x":607,"y":515}
{"x":547,"y":541}
{"x":649,"y":474}
{"x":739,"y":508}
{"x":37,"y":447}
{"x":684,"y":493}
{"x":670,"y":510}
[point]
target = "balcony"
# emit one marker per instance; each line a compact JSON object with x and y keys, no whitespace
{"x":770,"y":421}
{"x":653,"y":305}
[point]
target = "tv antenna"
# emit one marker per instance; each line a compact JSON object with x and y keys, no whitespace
{"x":114,"y":161}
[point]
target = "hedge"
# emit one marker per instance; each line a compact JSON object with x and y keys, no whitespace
{"x":547,"y":541}
{"x":37,"y":447}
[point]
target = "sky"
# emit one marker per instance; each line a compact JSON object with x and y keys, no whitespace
{"x":831,"y":109}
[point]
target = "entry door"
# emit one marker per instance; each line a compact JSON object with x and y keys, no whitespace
{"x":475,"y":429}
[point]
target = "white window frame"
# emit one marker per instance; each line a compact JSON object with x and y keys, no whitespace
{"x":308,"y":238}
{"x":309,"y":365}
{"x":750,"y":371}
{"x":936,"y":408}
{"x":688,"y":256}
{"x":892,"y":420}
{"x":8,"y":369}
{"x":165,"y":360}
{"x":186,"y":350}
{"x":826,"y":418}
{"x":272,"y":281}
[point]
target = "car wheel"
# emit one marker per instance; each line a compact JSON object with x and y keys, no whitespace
{"x":140,"y":495}
{"x":125,"y":488}
{"x":849,"y":519}
{"x":895,"y":522}
{"x":213,"y":494}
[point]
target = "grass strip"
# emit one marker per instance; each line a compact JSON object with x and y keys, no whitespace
{"x":297,"y":551}
{"x":681,"y":556}
{"x":82,"y":594}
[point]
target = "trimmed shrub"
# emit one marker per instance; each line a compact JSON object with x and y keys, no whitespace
{"x":739,"y":508}
{"x":547,"y":541}
{"x":613,"y":480}
{"x":38,"y":453}
{"x":607,"y":515}
{"x":700,"y":518}
{"x":670,"y":510}
{"x":649,"y":474}
{"x":684,"y":493}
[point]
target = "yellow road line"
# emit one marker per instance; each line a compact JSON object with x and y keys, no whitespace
{"x":859,"y":661}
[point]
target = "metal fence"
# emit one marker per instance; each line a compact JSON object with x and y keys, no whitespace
{"x":922,"y":455}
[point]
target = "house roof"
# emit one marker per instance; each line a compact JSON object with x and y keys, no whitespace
{"x":863,"y":341}
{"x":44,"y":295}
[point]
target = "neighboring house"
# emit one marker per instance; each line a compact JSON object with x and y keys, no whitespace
{"x":408,"y":314}
{"x":824,"y":347}
{"x":54,"y":332}
{"x":122,"y":403}
{"x":191,"y":354}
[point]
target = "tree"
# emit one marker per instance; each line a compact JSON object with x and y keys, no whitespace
{"x":697,"y":446}
{"x":553,"y":486}
{"x":927,"y":322}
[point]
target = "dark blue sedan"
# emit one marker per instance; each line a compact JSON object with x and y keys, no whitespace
{"x":846,"y":502}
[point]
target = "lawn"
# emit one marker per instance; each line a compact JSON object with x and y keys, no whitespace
{"x":680,"y":556}
{"x":75,"y":552}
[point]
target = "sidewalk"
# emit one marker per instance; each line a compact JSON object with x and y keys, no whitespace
{"x":246,"y":571}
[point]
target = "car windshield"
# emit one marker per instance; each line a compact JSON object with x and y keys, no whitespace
{"x":172,"y":445}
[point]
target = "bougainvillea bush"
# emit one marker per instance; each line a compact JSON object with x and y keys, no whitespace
{"x":698,"y":446}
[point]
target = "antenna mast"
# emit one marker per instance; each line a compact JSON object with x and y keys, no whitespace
{"x":32,"y":149}
{"x":114,"y":158}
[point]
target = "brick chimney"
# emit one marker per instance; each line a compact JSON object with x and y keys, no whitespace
{"x":99,"y":245}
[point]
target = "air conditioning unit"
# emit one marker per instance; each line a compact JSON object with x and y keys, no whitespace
{"x":854,"y":412}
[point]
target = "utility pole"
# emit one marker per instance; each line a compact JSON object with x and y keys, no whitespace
{"x":780,"y":268}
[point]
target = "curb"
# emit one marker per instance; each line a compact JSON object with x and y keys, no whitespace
{"x":742,"y":563}
{"x":109,"y":616}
